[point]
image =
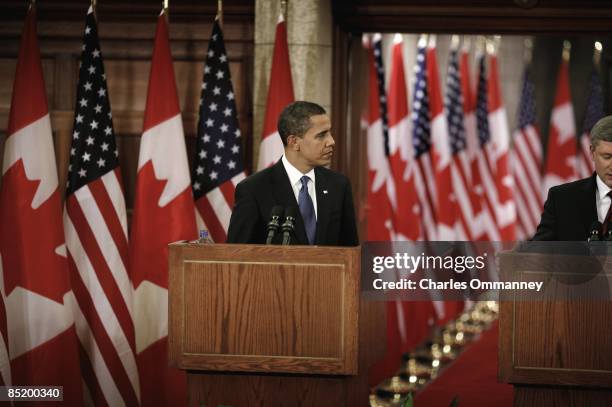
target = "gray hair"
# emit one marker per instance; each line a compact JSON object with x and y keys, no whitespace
{"x":295,"y":119}
{"x":602,"y":130}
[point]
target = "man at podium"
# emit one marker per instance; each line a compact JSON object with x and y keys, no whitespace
{"x":576,"y":210}
{"x":314,"y":204}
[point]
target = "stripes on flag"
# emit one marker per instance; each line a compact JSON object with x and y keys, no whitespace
{"x":421,"y":139}
{"x":527,"y":163}
{"x":218,"y":164}
{"x":95,"y":224}
{"x":461,"y":172}
{"x":486,"y":156}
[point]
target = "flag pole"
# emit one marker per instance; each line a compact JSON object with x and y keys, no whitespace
{"x":284,"y":9}
{"x":598,"y":48}
{"x":165,"y":6}
{"x":220,"y":12}
{"x":93,"y":7}
{"x":528,"y":54}
{"x":567,"y":48}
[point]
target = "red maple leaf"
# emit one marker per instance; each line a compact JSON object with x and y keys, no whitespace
{"x":154,"y":227}
{"x":29,"y":237}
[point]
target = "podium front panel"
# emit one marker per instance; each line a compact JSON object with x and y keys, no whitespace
{"x":264,"y":308}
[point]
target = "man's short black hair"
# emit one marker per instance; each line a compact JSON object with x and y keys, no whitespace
{"x":295,"y":119}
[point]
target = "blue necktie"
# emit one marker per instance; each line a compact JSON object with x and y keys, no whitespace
{"x":307,"y":210}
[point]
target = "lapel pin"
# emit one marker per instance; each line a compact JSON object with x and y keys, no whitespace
{"x":325,"y":191}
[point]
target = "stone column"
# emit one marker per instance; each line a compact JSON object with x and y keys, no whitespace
{"x":309,"y":35}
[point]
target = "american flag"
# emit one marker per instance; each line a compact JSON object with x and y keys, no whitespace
{"x":527,"y":163}
{"x":96,"y":236}
{"x":594,"y":112}
{"x":218,"y":164}
{"x":460,"y":166}
{"x":382,"y":95}
{"x":486,"y":157}
{"x":421,"y":139}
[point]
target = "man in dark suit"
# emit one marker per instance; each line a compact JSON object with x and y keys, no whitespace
{"x":322,"y":198}
{"x":571,"y":209}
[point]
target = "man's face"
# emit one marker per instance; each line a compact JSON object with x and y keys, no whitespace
{"x":602,"y":157}
{"x":316,"y":147}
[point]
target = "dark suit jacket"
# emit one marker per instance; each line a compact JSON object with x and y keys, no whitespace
{"x":256,"y":195}
{"x":569,"y":211}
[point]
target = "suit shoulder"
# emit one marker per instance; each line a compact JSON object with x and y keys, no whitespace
{"x":256,"y":179}
{"x":334,"y":176}
{"x":572,"y":187}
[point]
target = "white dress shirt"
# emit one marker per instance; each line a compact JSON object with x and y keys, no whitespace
{"x":602,"y":199}
{"x":294,"y":178}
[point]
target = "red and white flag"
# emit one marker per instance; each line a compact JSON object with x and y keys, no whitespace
{"x":527,"y":163}
{"x":561,"y":153}
{"x":163,"y":213}
{"x":379,"y":211}
{"x":505,"y":208}
{"x":280,"y":94}
{"x":422,"y":142}
{"x":483,"y":226}
{"x":461,"y":164}
{"x":406,"y":222}
{"x":95,"y":224}
{"x":38,"y":343}
{"x":217,"y":165}
{"x":486,"y":159}
{"x":447,"y":212}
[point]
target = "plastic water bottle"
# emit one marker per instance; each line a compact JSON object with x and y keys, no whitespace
{"x":204,"y":237}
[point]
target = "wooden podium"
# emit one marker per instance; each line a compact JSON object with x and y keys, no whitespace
{"x":555,"y":352}
{"x":272,"y":325}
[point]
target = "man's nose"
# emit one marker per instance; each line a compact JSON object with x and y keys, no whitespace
{"x":330,"y":141}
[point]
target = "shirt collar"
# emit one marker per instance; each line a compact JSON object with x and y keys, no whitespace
{"x":602,"y":188}
{"x":295,"y":174}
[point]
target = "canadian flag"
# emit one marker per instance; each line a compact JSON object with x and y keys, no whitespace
{"x":38,"y":344}
{"x":483,"y":225}
{"x":561,"y":156}
{"x":163,"y":213}
{"x":401,"y":153}
{"x":505,"y":209}
{"x":379,"y":214}
{"x":280,"y":94}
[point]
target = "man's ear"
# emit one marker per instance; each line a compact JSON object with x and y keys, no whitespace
{"x":292,"y":142}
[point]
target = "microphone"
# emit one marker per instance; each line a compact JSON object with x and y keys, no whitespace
{"x":289,"y":224}
{"x":595,"y":232}
{"x":608,"y":236}
{"x":274,"y":223}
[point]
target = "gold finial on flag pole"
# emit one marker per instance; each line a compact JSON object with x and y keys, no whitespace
{"x":220,"y":12}
{"x":455,"y":40}
{"x":284,"y":9}
{"x":567,"y":48}
{"x":467,"y":43}
{"x":165,"y":5}
{"x":597,"y":54}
